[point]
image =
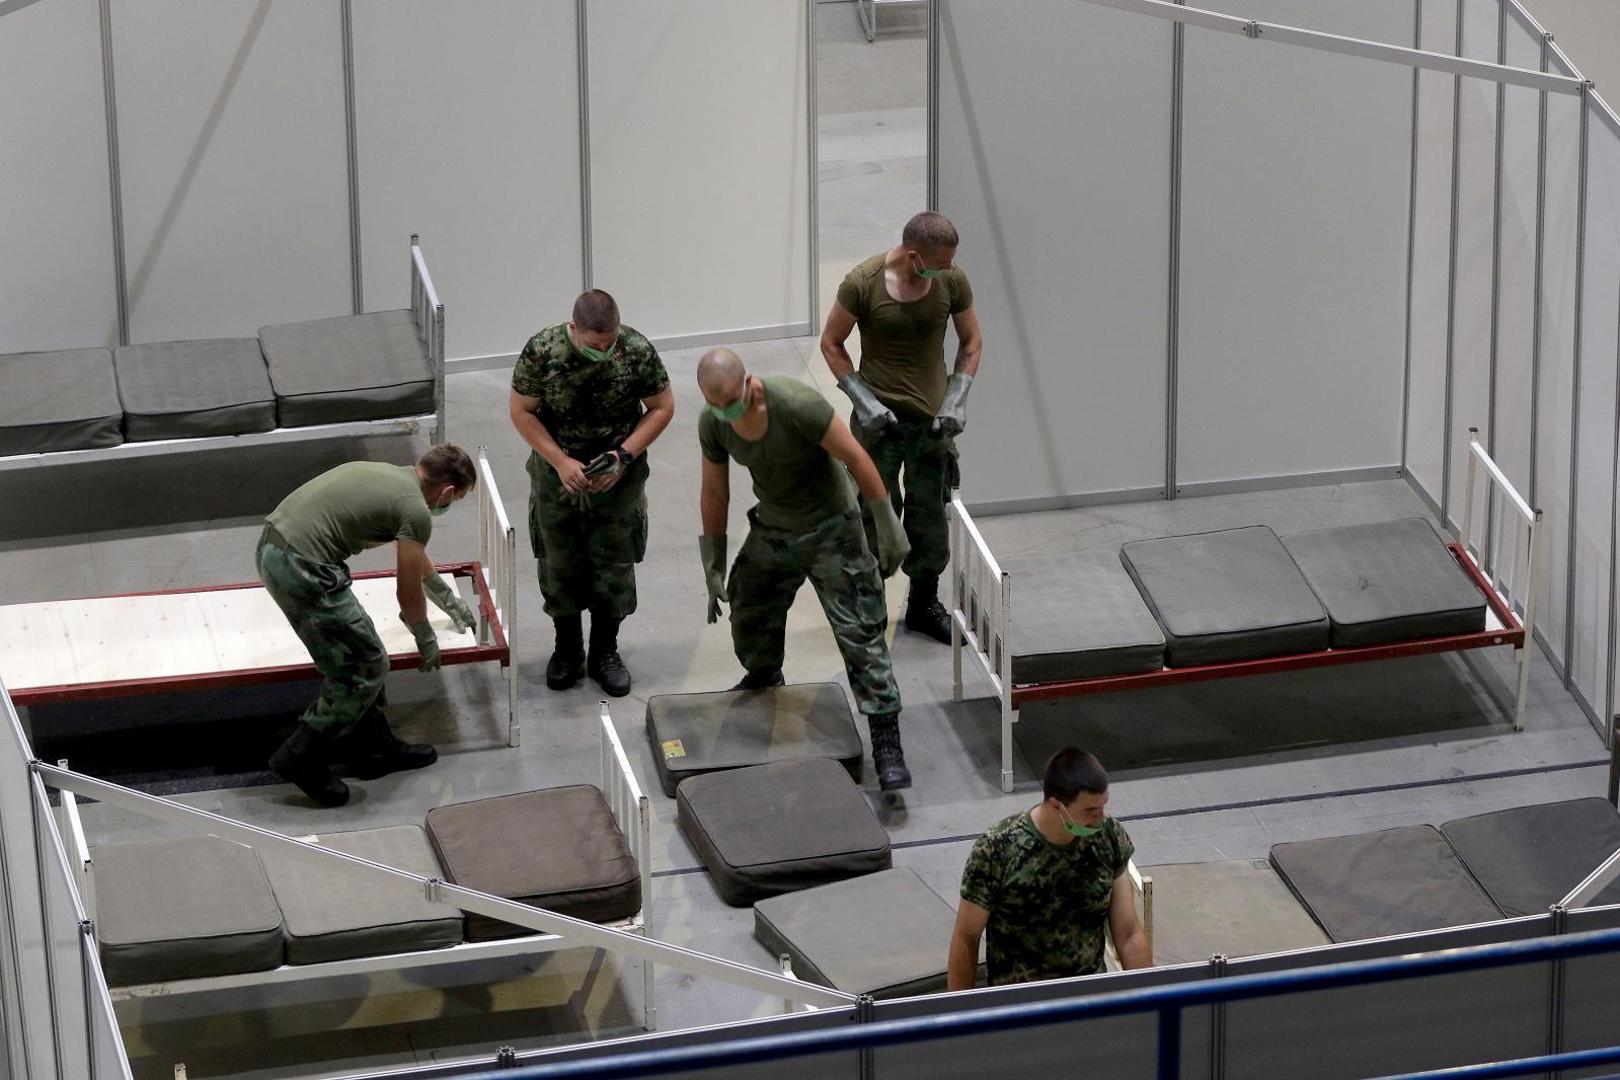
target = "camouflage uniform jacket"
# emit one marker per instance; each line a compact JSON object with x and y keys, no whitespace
{"x":1048,"y":905}
{"x":588,"y":407}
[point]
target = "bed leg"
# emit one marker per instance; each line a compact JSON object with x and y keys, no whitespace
{"x":514,"y":728}
{"x":1006,"y":745}
{"x":1523,"y":689}
{"x":649,"y":1006}
{"x":956,"y":658}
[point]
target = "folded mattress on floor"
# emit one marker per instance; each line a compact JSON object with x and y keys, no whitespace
{"x":1239,"y":907}
{"x":559,"y":849}
{"x":1530,"y":857}
{"x":336,"y":914}
{"x":692,"y":734}
{"x":1387,"y":581}
{"x":1378,"y":884}
{"x":354,"y":367}
{"x":771,"y":829}
{"x":193,"y":389}
{"x":1226,"y":596}
{"x":883,"y":934}
{"x":184,"y":908}
{"x":64,"y":400}
{"x":1079,"y":616}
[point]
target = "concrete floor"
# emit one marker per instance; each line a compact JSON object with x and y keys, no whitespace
{"x":1210,"y":772}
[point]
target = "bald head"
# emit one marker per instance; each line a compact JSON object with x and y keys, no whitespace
{"x":720,"y":374}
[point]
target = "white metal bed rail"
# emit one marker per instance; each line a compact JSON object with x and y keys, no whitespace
{"x":634,"y":815}
{"x":429,"y":314}
{"x":981,"y":617}
{"x":497,"y":558}
{"x":1507,"y":550}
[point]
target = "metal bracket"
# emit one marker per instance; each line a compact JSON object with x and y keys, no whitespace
{"x":433,"y":890}
{"x":1546,"y":35}
{"x":506,"y":1057}
{"x":1252,"y":29}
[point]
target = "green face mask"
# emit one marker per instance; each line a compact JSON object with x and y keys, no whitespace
{"x":734,"y":411}
{"x":440,"y":511}
{"x":597,"y":355}
{"x":1075,"y":829}
{"x":925,"y":273}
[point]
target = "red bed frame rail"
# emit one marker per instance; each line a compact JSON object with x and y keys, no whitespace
{"x":497,"y":649}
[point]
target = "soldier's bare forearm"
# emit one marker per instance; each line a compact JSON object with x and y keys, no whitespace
{"x":839,"y":362}
{"x":651,"y":425}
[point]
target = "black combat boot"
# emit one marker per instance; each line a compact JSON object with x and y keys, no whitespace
{"x":606,"y":666}
{"x":887,"y":757}
{"x":760,"y":680}
{"x":372,"y":750}
{"x":925,"y":615}
{"x":305,"y":759}
{"x":567,"y":664}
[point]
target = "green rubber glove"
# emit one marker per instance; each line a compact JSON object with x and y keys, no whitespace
{"x":443,"y":594}
{"x":713,"y":551}
{"x":427,"y":643}
{"x":952,"y":416}
{"x":893,"y":547}
{"x":870,"y":413}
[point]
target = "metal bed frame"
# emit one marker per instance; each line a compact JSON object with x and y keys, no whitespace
{"x":982,"y":599}
{"x":494,"y":580}
{"x":429,"y":315}
{"x":866,"y":12}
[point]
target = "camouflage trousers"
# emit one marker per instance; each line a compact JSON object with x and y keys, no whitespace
{"x":768,"y":571}
{"x":920,"y":498}
{"x":587,"y":557}
{"x":336,"y":630}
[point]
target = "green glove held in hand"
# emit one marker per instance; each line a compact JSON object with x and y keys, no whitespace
{"x":713,"y":551}
{"x":870,"y":413}
{"x":443,"y":595}
{"x":427,"y":643}
{"x":893,"y":547}
{"x":952,"y":415}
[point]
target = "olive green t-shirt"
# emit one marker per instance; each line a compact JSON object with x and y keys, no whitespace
{"x":903,"y":343}
{"x":345,"y":510}
{"x":797,"y":483}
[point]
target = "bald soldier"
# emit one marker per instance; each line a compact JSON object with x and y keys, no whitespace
{"x":805,"y":524}
{"x":907,"y":413}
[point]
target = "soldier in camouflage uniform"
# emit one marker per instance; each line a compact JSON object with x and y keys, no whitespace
{"x":804,"y":525}
{"x":589,"y":397}
{"x":302,"y":560}
{"x":1045,"y":882}
{"x":906,"y":413}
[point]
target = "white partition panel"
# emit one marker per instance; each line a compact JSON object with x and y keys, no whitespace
{"x":231,"y":131}
{"x":56,"y":270}
{"x":699,"y":164}
{"x":1296,"y":175}
{"x":1431,"y":258}
{"x":467,"y":120}
{"x":1596,"y":420}
{"x":1067,"y":247}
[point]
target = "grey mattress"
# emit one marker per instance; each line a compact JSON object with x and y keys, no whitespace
{"x":1239,"y":907}
{"x":355,"y":367}
{"x":333,"y":914}
{"x":1395,"y":881}
{"x":1079,"y":616}
{"x":774,"y":828}
{"x":1528,"y":858}
{"x":64,"y":400}
{"x":693,"y":734}
{"x":1226,"y":596}
{"x":883,"y":934}
{"x":1387,"y":581}
{"x":188,"y":389}
{"x":558,"y":849}
{"x":183,"y":909}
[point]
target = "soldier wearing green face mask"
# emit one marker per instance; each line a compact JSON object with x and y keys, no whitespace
{"x":589,"y":396}
{"x":804,"y":525}
{"x":1045,"y":882}
{"x":906,"y":411}
{"x":302,"y":560}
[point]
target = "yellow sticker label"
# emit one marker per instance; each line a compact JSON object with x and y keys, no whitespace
{"x":673,"y":749}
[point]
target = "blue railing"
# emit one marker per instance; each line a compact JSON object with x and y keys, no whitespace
{"x":1167,"y":1001}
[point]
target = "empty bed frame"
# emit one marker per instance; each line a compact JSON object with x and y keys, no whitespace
{"x":624,"y":798}
{"x":235,"y":635}
{"x":1088,"y":630}
{"x":364,"y":374}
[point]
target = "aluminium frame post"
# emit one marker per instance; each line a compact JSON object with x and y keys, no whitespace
{"x":1575,"y":384}
{"x":1539,"y":279}
{"x":1003,"y":658}
{"x":1488,"y":549}
{"x":115,"y":181}
{"x":1451,"y":282}
{"x":1465,"y":530}
{"x":1172,"y":384}
{"x":351,"y":135}
{"x":1411,"y":245}
{"x":583,"y":73}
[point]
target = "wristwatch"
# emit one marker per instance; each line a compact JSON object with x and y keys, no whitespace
{"x":625,"y":457}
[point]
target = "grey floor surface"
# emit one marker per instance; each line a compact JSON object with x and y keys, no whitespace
{"x":1216,"y":771}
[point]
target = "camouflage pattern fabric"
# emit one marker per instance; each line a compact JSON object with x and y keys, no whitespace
{"x":1048,"y":905}
{"x":931,"y":474}
{"x":587,"y":555}
{"x":769,"y":569}
{"x":336,"y":630}
{"x":586,"y":405}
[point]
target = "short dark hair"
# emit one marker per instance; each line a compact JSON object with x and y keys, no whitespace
{"x":929,"y":231}
{"x":446,"y":464}
{"x":596,"y":311}
{"x":1070,"y":772}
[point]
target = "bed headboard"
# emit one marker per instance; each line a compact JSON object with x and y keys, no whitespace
{"x":630,"y":808}
{"x":429,"y":315}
